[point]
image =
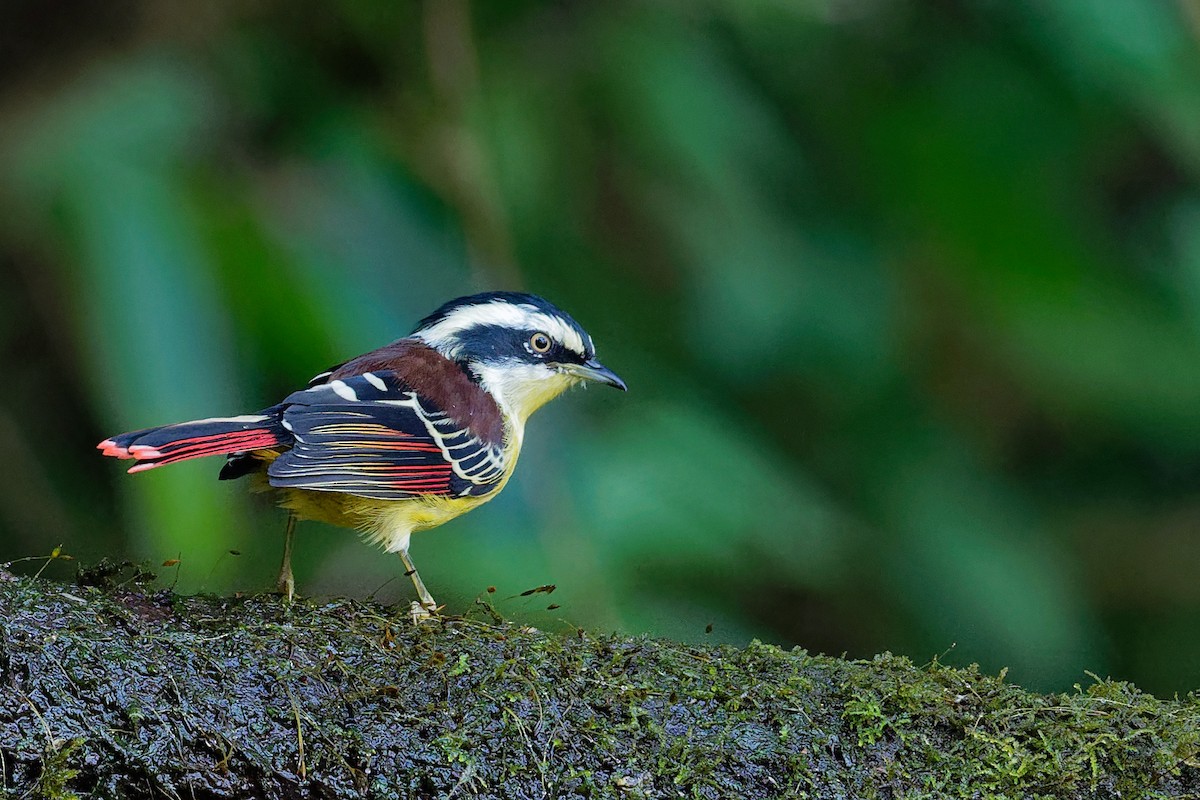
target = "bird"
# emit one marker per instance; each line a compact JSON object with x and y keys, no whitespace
{"x":402,"y":438}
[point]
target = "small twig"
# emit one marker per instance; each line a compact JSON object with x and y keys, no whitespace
{"x":303,"y":770}
{"x":55,"y":553}
{"x":380,"y":588}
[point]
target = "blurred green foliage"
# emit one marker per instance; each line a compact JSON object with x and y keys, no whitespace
{"x":907,"y":294}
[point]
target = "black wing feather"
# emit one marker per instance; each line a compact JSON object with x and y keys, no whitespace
{"x":372,"y":436}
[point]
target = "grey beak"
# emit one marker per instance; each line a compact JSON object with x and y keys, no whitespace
{"x":593,"y":370}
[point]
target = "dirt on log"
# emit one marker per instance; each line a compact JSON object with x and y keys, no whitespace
{"x":125,"y":693}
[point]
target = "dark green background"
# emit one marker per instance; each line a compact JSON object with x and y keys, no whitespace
{"x":907,"y":296}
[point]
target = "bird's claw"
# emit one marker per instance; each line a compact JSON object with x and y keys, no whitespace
{"x":421,"y":612}
{"x":286,"y":587}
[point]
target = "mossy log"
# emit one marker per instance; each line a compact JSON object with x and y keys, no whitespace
{"x":123,"y":693}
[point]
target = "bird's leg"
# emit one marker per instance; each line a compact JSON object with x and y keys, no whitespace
{"x":285,"y":584}
{"x":425,"y":608}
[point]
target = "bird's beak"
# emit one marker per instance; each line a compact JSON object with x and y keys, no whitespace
{"x":593,"y":370}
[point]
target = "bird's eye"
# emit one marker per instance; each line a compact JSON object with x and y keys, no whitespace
{"x":540,"y":343}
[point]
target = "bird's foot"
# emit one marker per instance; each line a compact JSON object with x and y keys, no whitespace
{"x":286,"y":586}
{"x":422,"y":612}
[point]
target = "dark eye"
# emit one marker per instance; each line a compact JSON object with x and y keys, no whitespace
{"x":540,"y":343}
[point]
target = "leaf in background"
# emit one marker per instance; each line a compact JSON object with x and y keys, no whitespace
{"x":1000,"y":223}
{"x":970,"y":560}
{"x":1146,"y":53}
{"x":363,"y":245}
{"x":107,"y":160}
{"x":680,"y":487}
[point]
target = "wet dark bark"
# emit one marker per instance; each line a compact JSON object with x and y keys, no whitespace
{"x":125,"y":693}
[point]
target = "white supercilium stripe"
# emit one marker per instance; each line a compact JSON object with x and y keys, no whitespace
{"x":440,"y":335}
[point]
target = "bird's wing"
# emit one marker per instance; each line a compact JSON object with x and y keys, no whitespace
{"x":323,"y":377}
{"x":372,"y":436}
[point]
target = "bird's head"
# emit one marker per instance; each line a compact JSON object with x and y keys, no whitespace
{"x":520,"y":348}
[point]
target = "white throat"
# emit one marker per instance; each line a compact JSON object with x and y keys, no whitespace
{"x":520,"y":388}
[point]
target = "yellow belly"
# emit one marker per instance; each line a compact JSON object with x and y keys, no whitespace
{"x":387,"y":523}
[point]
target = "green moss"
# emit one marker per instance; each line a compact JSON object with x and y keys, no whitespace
{"x":246,"y":697}
{"x":57,"y":773}
{"x":866,"y":717}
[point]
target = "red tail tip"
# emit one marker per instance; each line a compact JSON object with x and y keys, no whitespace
{"x":143,"y":451}
{"x":141,"y":468}
{"x":109,"y":448}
